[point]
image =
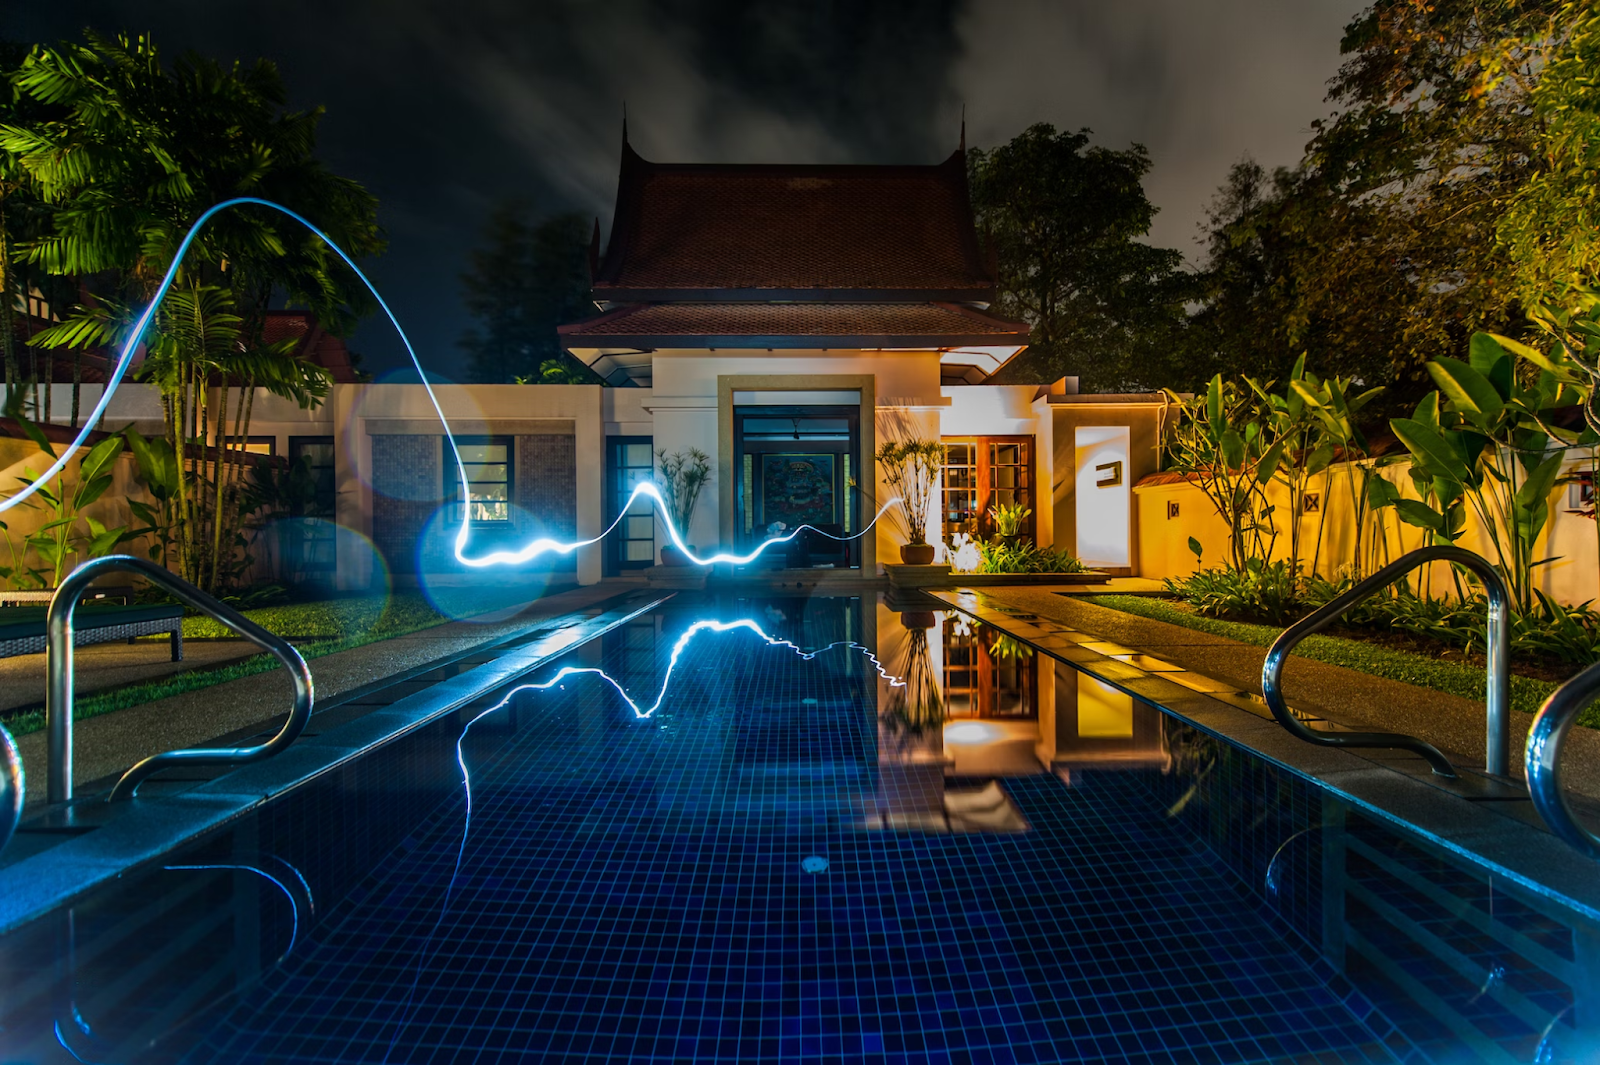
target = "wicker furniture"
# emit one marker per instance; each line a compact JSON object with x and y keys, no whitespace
{"x":22,"y":629}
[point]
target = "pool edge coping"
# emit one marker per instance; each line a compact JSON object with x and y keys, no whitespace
{"x":68,"y":871}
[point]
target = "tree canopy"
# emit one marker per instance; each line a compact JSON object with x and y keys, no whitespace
{"x":1063,"y":218}
{"x":528,"y":277}
{"x":1423,"y":209}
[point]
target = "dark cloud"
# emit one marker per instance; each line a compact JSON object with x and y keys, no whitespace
{"x":442,"y":108}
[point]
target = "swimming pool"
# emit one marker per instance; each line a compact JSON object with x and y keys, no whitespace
{"x":756,"y":837}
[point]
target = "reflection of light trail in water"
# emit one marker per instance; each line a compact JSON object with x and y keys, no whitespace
{"x":569,"y":671}
{"x":530,"y":551}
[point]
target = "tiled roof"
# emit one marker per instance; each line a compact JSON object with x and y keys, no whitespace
{"x":792,"y":232}
{"x":794,"y":325}
{"x":319,"y":347}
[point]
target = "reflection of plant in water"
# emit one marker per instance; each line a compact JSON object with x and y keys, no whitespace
{"x":1004,"y":646}
{"x":917,"y":706}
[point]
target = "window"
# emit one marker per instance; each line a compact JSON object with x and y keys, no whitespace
{"x":317,"y":542}
{"x":257,"y":445}
{"x":317,"y":453}
{"x":631,"y":462}
{"x":487,"y":463}
{"x":984,"y":472}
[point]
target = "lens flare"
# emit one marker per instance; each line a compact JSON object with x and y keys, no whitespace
{"x":530,"y":551}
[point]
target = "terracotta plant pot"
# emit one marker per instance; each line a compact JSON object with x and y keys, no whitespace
{"x":916,"y":554}
{"x":671,"y":556}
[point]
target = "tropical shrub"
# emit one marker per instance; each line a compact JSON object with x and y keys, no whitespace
{"x":683,"y":477}
{"x":1260,"y":591}
{"x":1026,"y":557}
{"x":61,"y":539}
{"x":1486,"y":441}
{"x":1008,"y":518}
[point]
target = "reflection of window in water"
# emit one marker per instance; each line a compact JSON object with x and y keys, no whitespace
{"x":989,"y":674}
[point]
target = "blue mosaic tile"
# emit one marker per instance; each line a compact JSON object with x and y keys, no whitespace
{"x":641,"y":891}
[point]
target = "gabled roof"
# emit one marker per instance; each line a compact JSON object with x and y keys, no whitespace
{"x":793,"y":325}
{"x":782,"y":232}
{"x":317,"y":346}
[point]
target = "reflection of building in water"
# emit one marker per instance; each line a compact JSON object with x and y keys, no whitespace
{"x":987,"y":673}
{"x":1089,"y":724}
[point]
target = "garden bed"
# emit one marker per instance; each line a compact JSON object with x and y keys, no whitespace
{"x":1391,"y":655}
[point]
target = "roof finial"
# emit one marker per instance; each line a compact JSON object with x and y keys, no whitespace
{"x":963,"y":148}
{"x":624,"y":123}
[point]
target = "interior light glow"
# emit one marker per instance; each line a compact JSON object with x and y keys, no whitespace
{"x":528,"y":552}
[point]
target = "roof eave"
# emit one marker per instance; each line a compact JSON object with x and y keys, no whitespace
{"x":594,"y":341}
{"x":623,"y":294}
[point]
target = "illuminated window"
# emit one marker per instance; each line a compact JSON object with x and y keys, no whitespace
{"x":257,"y":445}
{"x":983,"y":472}
{"x":487,"y":462}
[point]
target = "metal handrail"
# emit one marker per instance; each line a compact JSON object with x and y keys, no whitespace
{"x":13,"y":787}
{"x":1543,"y":759}
{"x":1497,"y":698}
{"x":58,"y":700}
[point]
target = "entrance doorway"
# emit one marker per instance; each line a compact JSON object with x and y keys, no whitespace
{"x":798,"y":465}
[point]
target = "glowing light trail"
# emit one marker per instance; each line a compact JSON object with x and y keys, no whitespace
{"x":568,"y":671}
{"x":530,"y":551}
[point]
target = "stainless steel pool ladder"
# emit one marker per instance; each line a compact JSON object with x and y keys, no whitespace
{"x":1497,"y":698}
{"x":58,"y":701}
{"x":1543,"y":760}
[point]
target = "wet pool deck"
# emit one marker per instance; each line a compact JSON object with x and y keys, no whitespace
{"x":110,"y":743}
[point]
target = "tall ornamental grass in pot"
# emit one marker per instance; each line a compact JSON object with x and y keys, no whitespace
{"x":911,"y":470}
{"x":683,"y":476}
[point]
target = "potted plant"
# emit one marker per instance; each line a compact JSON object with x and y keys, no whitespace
{"x":1008,"y":519}
{"x":911,"y":470}
{"x":683,"y":475}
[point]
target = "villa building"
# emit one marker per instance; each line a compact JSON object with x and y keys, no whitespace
{"x":784,"y":320}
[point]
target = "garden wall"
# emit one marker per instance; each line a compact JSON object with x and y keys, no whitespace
{"x":1171,"y":510}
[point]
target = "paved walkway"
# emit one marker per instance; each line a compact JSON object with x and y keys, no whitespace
{"x":113,"y":665}
{"x":1453,"y":724}
{"x":111,"y":742}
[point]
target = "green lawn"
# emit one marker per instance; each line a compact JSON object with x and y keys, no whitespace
{"x":1455,"y":678}
{"x":371,"y":616}
{"x":318,"y":628}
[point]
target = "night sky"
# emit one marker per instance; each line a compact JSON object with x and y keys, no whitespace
{"x":443,"y":108}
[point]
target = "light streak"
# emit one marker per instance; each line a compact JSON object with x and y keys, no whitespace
{"x":678,"y":649}
{"x":530,"y":551}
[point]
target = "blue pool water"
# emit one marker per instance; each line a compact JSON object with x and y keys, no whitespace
{"x":767,"y":868}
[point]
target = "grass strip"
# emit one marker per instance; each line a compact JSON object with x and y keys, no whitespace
{"x":1453,"y":678}
{"x":333,"y":626}
{"x":331,"y":619}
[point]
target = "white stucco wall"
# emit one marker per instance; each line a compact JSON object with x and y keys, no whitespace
{"x":683,"y":403}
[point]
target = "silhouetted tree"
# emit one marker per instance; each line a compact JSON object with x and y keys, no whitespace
{"x":529,"y":277}
{"x":1064,"y":219}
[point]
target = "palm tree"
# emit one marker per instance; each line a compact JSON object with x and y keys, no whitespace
{"x":130,"y":154}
